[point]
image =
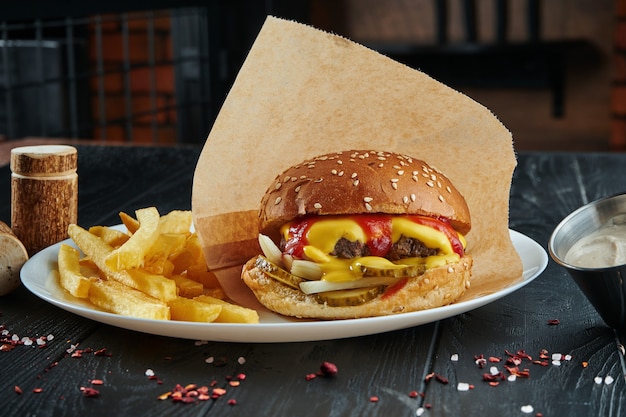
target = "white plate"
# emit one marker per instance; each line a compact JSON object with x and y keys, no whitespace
{"x":38,"y":275}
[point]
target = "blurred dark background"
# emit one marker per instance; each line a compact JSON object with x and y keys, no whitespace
{"x":157,"y":72}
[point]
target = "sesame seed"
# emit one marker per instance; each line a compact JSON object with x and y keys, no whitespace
{"x":367,"y":199}
{"x":415,"y":172}
{"x":414,"y":178}
{"x":401,"y":172}
{"x":340,"y":174}
{"x":339,"y":161}
{"x":303,"y":177}
{"x":278,"y":200}
{"x":405,"y":199}
{"x":394,"y":185}
{"x":368,"y":206}
{"x":278,"y":185}
{"x":381,"y":165}
{"x":317,"y":206}
{"x":439,"y":184}
{"x":430,"y":183}
{"x":448,"y":189}
{"x":382,"y":158}
{"x":355,"y":182}
{"x":319,"y":180}
{"x":397,"y":167}
{"x":297,"y":189}
{"x":441,"y":198}
{"x":354,"y":175}
{"x":413,"y":198}
{"x":334,"y":172}
{"x":287,"y":178}
{"x":394,"y":180}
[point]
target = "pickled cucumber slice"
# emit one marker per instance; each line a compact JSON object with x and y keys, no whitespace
{"x":347,"y":298}
{"x":400,"y":272}
{"x":277,"y":272}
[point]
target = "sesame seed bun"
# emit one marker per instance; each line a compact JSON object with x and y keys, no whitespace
{"x":361,"y":182}
{"x":437,"y":287}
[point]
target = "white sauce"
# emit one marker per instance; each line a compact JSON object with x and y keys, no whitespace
{"x":603,"y":248}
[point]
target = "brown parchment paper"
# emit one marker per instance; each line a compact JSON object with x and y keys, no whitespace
{"x":303,"y":92}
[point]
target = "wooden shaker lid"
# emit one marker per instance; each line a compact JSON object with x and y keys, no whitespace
{"x":44,"y":160}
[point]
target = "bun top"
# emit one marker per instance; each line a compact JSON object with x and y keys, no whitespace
{"x":361,"y":182}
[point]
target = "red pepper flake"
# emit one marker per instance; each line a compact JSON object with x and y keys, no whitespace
{"x":517,"y":372}
{"x":309,"y":377}
{"x":441,"y":379}
{"x":480,"y":360}
{"x":414,"y":394}
{"x":494,"y":383}
{"x":37,"y":390}
{"x":97,"y":382}
{"x":89,"y":392}
{"x":232,"y":401}
{"x":234,"y":383}
{"x":17,"y":390}
{"x":6,"y":347}
{"x":328,"y":369}
{"x":585,"y":364}
{"x":241,"y":377}
{"x":102,"y":352}
{"x":494,"y":359}
{"x":219,"y":391}
{"x":553,"y":322}
{"x":373,"y":399}
{"x":544,"y":354}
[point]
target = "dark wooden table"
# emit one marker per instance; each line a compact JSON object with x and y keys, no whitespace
{"x":389,"y":366}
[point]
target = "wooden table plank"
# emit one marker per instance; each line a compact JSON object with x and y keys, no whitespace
{"x":390,"y":365}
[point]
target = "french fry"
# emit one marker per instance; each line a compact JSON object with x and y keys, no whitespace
{"x":176,"y":221}
{"x":154,"y":285}
{"x":230,"y":313}
{"x":118,"y":298}
{"x":70,"y":276}
{"x":166,"y":244}
{"x":187,"y":309}
{"x":131,"y":254}
{"x":112,"y":237}
{"x":157,"y":270}
{"x":187,"y":288}
{"x":130,"y":222}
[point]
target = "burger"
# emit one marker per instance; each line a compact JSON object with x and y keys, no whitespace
{"x":359,"y":234}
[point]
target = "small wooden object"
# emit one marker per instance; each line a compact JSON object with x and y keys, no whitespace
{"x":12,"y":256}
{"x":44,"y":194}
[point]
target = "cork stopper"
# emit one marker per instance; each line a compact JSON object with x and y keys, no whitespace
{"x":44,"y":160}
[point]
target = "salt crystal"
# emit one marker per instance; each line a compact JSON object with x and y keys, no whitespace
{"x":241,"y":360}
{"x":494,"y":370}
{"x":557,"y":356}
{"x":454,"y":357}
{"x":50,"y":337}
{"x":598,"y":380}
{"x":463,"y":386}
{"x":527,"y":409}
{"x":419,"y":411}
{"x":511,"y":378}
{"x":210,"y":359}
{"x":556,"y":363}
{"x":149,"y":372}
{"x":608,"y":380}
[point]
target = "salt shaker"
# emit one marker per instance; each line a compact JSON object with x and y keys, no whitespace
{"x":44,"y":194}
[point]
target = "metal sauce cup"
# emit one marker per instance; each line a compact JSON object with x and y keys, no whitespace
{"x":604,"y":287}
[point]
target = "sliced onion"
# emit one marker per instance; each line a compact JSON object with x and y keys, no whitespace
{"x":306,"y":269}
{"x":313,"y":287}
{"x":270,"y":250}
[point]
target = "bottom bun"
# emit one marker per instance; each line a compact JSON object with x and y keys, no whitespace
{"x":437,"y":287}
